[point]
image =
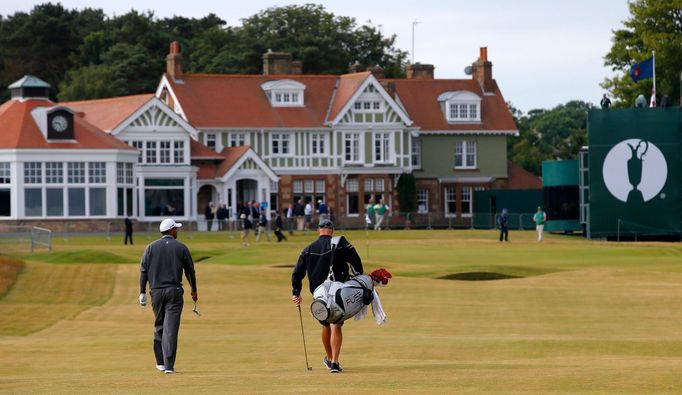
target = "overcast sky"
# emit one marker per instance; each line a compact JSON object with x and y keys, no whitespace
{"x":544,"y":52}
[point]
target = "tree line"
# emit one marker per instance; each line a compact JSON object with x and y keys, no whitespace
{"x":86,"y":54}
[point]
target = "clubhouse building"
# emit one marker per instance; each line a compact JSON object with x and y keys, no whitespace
{"x":275,"y":138}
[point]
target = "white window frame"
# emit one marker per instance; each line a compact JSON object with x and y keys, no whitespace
{"x":357,"y":147}
{"x":463,"y":148}
{"x":454,"y":110}
{"x":318,"y":144}
{"x":416,"y":153}
{"x":352,"y":188}
{"x":148,"y":150}
{"x":369,"y":106}
{"x":165,"y":151}
{"x":211,"y":137}
{"x":287,"y":98}
{"x":5,"y":173}
{"x":425,"y":197}
{"x":237,"y":139}
{"x":280,"y":138}
{"x":178,"y":155}
{"x":449,"y":195}
{"x":466,"y":191}
{"x":385,"y":145}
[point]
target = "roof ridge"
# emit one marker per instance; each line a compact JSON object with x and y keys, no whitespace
{"x":106,"y":99}
{"x":254,"y":76}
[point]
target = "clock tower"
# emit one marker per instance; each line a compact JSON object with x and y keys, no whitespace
{"x":60,"y":125}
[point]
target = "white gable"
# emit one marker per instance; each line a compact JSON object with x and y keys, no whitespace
{"x":371,"y":91}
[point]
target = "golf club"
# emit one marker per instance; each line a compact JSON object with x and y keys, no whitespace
{"x":305,"y":350}
{"x":194,"y":309}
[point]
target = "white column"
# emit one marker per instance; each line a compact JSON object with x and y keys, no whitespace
{"x":17,"y":190}
{"x":112,"y":193}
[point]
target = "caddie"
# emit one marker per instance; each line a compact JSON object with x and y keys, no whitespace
{"x":315,"y":261}
{"x":162,"y":265}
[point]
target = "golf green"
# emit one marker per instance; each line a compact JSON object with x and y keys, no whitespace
{"x":467,"y":314}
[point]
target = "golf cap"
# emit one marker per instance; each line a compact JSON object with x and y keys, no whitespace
{"x":326,"y":224}
{"x":168,"y":224}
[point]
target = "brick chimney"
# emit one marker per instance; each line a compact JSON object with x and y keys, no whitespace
{"x":420,"y":71}
{"x":377,"y":71}
{"x":174,"y":61}
{"x":280,"y":63}
{"x":483,"y":71}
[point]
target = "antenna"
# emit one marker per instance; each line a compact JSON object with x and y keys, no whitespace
{"x":414,"y":23}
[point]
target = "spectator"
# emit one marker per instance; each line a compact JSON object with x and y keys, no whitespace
{"x":322,"y":210}
{"x":381,"y":210}
{"x":299,"y":214}
{"x":605,"y":102}
{"x":262,"y":227}
{"x":290,"y":219}
{"x":640,"y":102}
{"x":255,"y":211}
{"x":540,"y":218}
{"x":129,"y":231}
{"x":209,"y":213}
{"x":308,"y":212}
{"x":666,"y":102}
{"x":278,"y":228}
{"x":221,"y":215}
{"x":503,"y":222}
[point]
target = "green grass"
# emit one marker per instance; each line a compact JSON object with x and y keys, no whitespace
{"x":582,"y":317}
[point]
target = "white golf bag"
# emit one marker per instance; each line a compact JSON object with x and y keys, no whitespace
{"x":334,"y":301}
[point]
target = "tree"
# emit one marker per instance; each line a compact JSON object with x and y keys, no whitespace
{"x":407,"y":192}
{"x":653,"y":25}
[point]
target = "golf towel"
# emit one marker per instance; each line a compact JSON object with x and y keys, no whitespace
{"x":377,"y":310}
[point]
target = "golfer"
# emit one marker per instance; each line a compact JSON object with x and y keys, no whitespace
{"x":162,"y":265}
{"x":540,"y":218}
{"x":314,"y":261}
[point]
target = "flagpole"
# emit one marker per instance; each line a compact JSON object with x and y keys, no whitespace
{"x":653,"y":54}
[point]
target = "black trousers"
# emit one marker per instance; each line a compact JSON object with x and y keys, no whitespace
{"x":504,"y":232}
{"x":167,"y":305}
{"x":129,"y":236}
{"x":279,"y":235}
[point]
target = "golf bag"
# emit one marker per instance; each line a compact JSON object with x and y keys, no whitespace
{"x":334,"y":301}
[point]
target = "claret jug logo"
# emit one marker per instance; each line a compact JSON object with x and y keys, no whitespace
{"x":635,"y":171}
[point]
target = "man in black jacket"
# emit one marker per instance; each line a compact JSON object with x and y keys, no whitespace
{"x":162,"y":265}
{"x":315,"y":261}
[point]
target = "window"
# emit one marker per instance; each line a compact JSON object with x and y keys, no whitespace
{"x":308,"y":191}
{"x":55,"y":202}
{"x":33,"y":172}
{"x":450,"y":207}
{"x":280,"y":144}
{"x":461,"y":106}
{"x":416,"y":153}
{"x":97,"y":172}
{"x":125,"y":201}
{"x":98,"y":201}
{"x":5,"y":173}
{"x":308,"y":186}
{"x":5,"y":203}
{"x":367,"y":106}
{"x":465,"y":201}
{"x":237,"y":139}
{"x":422,"y":201}
{"x":382,"y":147}
{"x":352,"y":201}
{"x":465,"y":154}
{"x":179,"y":151}
{"x":75,"y":172}
{"x":76,"y":202}
{"x":120,"y":173}
{"x":273,"y":196}
{"x":129,"y":173}
{"x":318,"y":144}
{"x":285,"y":98}
{"x":150,"y":152}
{"x":319,"y":186}
{"x":463,"y":112}
{"x":139,"y":145}
{"x":352,"y":147}
{"x":164,"y":151}
{"x":298,"y":186}
{"x":164,"y":197}
{"x":211,"y":140}
{"x":33,"y":202}
{"x":54,"y":173}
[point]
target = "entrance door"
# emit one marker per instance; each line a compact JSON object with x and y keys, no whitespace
{"x":247,"y":190}
{"x":206,"y":195}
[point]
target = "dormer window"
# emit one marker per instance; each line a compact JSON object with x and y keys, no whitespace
{"x":284,"y":93}
{"x":368,"y":106}
{"x":461,"y":106}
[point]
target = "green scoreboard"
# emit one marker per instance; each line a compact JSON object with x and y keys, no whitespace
{"x":634,"y":173}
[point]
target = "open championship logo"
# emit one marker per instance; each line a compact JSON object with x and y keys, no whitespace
{"x":635,"y":171}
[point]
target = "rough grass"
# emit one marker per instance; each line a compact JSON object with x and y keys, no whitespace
{"x":9,"y":271}
{"x":587,"y":318}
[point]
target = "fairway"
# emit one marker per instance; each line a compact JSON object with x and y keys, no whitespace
{"x":563,"y":316}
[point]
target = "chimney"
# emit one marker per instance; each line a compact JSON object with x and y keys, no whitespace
{"x":483,"y":71}
{"x":377,"y":71}
{"x":174,"y":61}
{"x":420,"y":71}
{"x":277,"y":63}
{"x":296,"y":67}
{"x":354,"y":67}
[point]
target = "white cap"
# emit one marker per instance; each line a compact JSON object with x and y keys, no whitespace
{"x":168,"y":224}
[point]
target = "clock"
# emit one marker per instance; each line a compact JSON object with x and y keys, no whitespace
{"x":59,"y":123}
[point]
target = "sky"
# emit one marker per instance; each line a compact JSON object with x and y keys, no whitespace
{"x":544,"y":53}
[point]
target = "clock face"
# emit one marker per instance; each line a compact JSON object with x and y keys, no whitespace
{"x":59,"y":123}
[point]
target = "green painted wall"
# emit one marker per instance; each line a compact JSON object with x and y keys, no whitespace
{"x":438,"y":156}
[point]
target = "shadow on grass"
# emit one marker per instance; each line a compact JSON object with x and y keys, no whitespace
{"x":478,"y":276}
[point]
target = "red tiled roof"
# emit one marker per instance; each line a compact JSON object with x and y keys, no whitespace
{"x":420,"y":98}
{"x":109,"y":113}
{"x":348,"y":84}
{"x":230,"y":156}
{"x":200,"y":151}
{"x":519,"y":178}
{"x":233,"y":100}
{"x":19,"y":130}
